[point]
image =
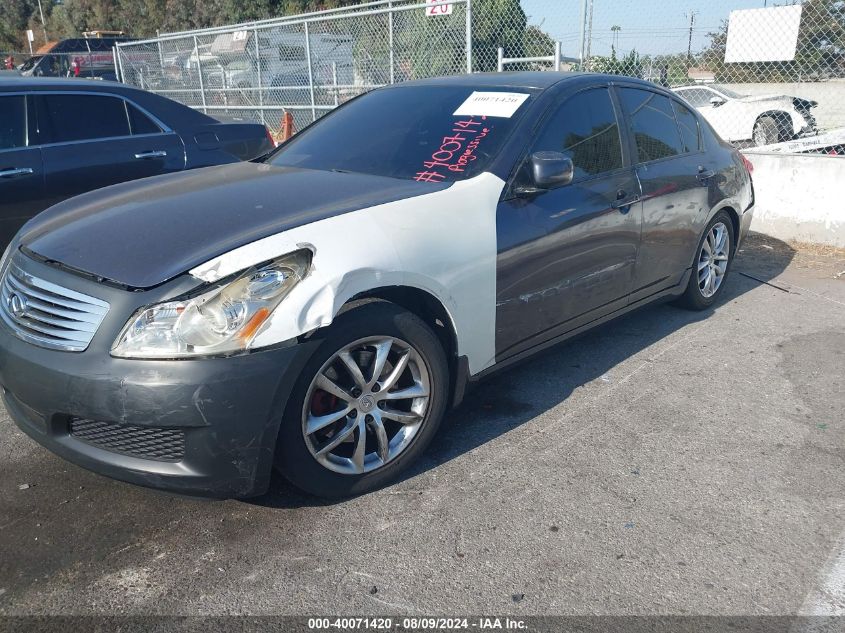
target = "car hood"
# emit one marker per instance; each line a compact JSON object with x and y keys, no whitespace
{"x":143,"y":233}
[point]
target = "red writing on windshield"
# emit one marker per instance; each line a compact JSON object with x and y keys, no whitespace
{"x":456,"y":152}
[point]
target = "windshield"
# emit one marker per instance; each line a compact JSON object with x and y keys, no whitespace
{"x":423,"y":133}
{"x":728,"y":92}
{"x":30,"y":63}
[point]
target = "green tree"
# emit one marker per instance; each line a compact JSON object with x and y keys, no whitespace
{"x":15,"y":17}
{"x":631,"y":65}
{"x":497,"y":23}
{"x":537,"y":43}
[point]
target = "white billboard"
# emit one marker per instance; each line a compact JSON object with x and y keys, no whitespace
{"x":763,"y":35}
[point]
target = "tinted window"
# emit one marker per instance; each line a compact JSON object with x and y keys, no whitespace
{"x":76,"y":117}
{"x":652,"y":123}
{"x":12,"y":122}
{"x":408,"y":132}
{"x":585,"y":129}
{"x":140,"y":122}
{"x":688,"y":125}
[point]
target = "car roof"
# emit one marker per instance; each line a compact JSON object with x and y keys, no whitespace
{"x":526,"y":80}
{"x":57,"y":83}
{"x":169,"y":111}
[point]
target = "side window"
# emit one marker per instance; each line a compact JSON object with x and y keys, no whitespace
{"x":12,"y":122}
{"x":688,"y":125}
{"x":79,"y":117}
{"x":696,"y":97}
{"x":585,"y":129}
{"x":652,"y":123}
{"x":140,"y":123}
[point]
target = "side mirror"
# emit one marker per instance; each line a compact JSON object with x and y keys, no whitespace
{"x":716,"y":101}
{"x":550,"y":169}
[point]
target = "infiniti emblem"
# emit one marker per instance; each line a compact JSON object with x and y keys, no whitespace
{"x":367,"y":403}
{"x":17,"y":306}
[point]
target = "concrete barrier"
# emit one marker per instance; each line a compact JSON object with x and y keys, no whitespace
{"x":799,"y":197}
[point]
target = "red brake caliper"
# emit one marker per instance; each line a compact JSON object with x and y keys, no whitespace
{"x":323,"y":402}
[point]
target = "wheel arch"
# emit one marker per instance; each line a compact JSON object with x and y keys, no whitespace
{"x":434,"y":313}
{"x":730,"y":208}
{"x":781,"y":117}
{"x":735,"y":220}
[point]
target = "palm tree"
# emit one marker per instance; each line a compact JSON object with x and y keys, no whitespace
{"x":615,"y":28}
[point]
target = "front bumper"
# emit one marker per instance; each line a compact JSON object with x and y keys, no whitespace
{"x":226,"y":411}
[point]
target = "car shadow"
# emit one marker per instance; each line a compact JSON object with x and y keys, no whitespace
{"x":509,"y":399}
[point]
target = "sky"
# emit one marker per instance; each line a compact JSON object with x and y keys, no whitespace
{"x":649,"y":26}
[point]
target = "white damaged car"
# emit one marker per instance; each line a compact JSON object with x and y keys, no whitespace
{"x":763,"y":119}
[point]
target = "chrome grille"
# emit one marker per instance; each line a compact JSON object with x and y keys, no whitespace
{"x":48,"y":315}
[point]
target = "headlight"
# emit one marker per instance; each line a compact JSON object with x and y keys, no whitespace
{"x":217,"y":322}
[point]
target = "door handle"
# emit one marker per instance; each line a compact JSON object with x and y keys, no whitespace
{"x":159,"y":153}
{"x":623,"y":202}
{"x":15,"y":171}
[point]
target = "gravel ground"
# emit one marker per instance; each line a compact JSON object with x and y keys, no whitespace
{"x":669,"y":463}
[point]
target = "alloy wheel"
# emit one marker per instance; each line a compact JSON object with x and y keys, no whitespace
{"x":365,"y":405}
{"x":713,"y":260}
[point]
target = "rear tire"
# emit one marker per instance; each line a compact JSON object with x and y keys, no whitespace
{"x":712,"y":263}
{"x":768,"y":131}
{"x":344,"y":431}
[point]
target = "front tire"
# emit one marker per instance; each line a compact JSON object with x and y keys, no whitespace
{"x":366,"y":404}
{"x":714,"y":256}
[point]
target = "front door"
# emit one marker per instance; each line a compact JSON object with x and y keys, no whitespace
{"x":567,"y":255}
{"x":21,"y":173}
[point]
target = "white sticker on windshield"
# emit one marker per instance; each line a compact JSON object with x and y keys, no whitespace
{"x":502,"y":104}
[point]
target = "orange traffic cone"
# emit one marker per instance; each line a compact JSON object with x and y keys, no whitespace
{"x":287,"y":125}
{"x":285,"y":130}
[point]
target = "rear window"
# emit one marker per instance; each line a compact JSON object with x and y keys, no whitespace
{"x":652,"y":122}
{"x":422,"y":133}
{"x":688,"y":125}
{"x":12,"y":122}
{"x":140,"y":122}
{"x":80,"y":117}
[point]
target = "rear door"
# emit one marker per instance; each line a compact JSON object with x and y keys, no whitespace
{"x":95,"y":140}
{"x":674,"y":173}
{"x":567,"y":255}
{"x":21,"y":173}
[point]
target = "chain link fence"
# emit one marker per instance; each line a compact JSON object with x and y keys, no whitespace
{"x":305,"y":64}
{"x":763,"y":76}
{"x":771,"y":76}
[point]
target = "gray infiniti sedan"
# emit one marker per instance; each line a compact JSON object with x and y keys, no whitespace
{"x":320,"y":309}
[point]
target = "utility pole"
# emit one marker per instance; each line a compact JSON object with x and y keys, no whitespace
{"x":583,"y":47}
{"x":43,"y":23}
{"x":692,"y":15}
{"x":590,"y":32}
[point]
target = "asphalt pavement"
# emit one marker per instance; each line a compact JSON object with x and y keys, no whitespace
{"x":669,"y":463}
